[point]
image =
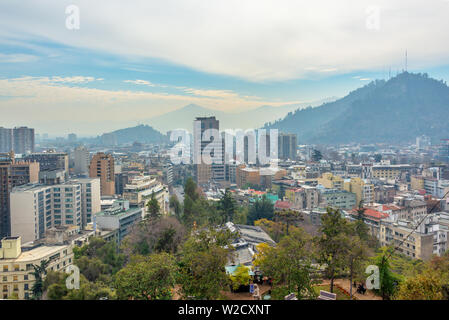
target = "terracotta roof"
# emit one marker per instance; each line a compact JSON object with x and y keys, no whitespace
{"x":282,"y":204}
{"x":372,"y":214}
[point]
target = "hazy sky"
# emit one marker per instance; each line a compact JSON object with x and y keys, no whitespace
{"x":131,"y":60}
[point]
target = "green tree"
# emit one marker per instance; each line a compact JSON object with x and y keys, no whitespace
{"x":388,"y":279}
{"x":425,"y":286}
{"x":151,"y":279}
{"x":149,"y":236}
{"x":39,"y":272}
{"x":227,"y":206}
{"x":190,"y":189}
{"x":289,"y":264}
{"x":288,"y":217}
{"x":241,"y":277}
{"x":175,"y":205}
{"x":154,"y":210}
{"x":332,"y":243}
{"x":202,"y":264}
{"x":261,"y":209}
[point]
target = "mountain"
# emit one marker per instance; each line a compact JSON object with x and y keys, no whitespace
{"x":140,"y":133}
{"x":183,"y":118}
{"x":397,"y":110}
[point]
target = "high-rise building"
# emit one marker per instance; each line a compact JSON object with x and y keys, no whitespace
{"x":36,"y":208}
{"x":23,"y":140}
{"x":204,"y":172}
{"x":50,"y":160}
{"x":82,"y":160}
{"x":102,"y":166}
{"x":287,"y":146}
{"x":6,"y":142}
{"x":13,"y":174}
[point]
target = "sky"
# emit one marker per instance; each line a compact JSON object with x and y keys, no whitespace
{"x":90,"y":67}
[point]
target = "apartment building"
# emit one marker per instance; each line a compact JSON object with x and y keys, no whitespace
{"x":81,"y":160}
{"x":329,"y":181}
{"x":363,"y":189}
{"x":140,"y":189}
{"x":36,"y":208}
{"x":16,"y":265}
{"x":336,"y":198}
{"x":305,"y":197}
{"x":389,"y":171}
{"x":119,"y":217}
{"x":49,"y":161}
{"x":102,"y":166}
{"x":13,"y":173}
{"x":414,"y":244}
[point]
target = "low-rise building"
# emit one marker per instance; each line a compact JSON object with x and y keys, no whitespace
{"x":16,"y":266}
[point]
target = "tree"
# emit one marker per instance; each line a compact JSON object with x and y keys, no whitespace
{"x":240,"y":277}
{"x":388,"y":280}
{"x":425,"y":286}
{"x":332,"y":243}
{"x":357,"y":253}
{"x":190,"y":189}
{"x":289,"y":264}
{"x":261,"y":209}
{"x":202,"y":264}
{"x":39,"y":272}
{"x":288,"y":217}
{"x":176,"y":206}
{"x":227,"y":206}
{"x":276,"y":230}
{"x":154,"y":210}
{"x":151,"y":279}
{"x":149,"y":236}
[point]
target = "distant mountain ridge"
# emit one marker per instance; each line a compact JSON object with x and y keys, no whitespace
{"x":397,"y":110}
{"x":183,"y":117}
{"x":141,"y":133}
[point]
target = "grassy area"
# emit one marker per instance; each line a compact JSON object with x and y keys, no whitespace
{"x":340,"y":295}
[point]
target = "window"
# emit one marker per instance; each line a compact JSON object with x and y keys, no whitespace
{"x":15,"y":278}
{"x":16,"y":267}
{"x":25,"y":286}
{"x":5,"y":268}
{"x":25,"y":277}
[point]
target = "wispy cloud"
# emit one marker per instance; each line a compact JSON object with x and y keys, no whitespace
{"x":17,"y":58}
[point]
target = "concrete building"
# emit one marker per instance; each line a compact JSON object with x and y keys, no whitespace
{"x":12,"y":174}
{"x":340,"y":199}
{"x":363,"y":189}
{"x":6,"y":141}
{"x":50,"y":161}
{"x":16,"y":265}
{"x":23,"y":140}
{"x":37,"y":208}
{"x":416,"y":245}
{"x":102,"y":166}
{"x":303,"y":198}
{"x":81,"y":161}
{"x":120,"y":216}
{"x":203,"y":171}
{"x":387,"y":171}
{"x":140,"y":189}
{"x":330,"y":181}
{"x":287,"y":146}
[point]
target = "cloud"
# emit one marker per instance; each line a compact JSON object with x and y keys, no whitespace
{"x":140,"y":82}
{"x":17,"y":58}
{"x":63,"y":105}
{"x":257,"y":40}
